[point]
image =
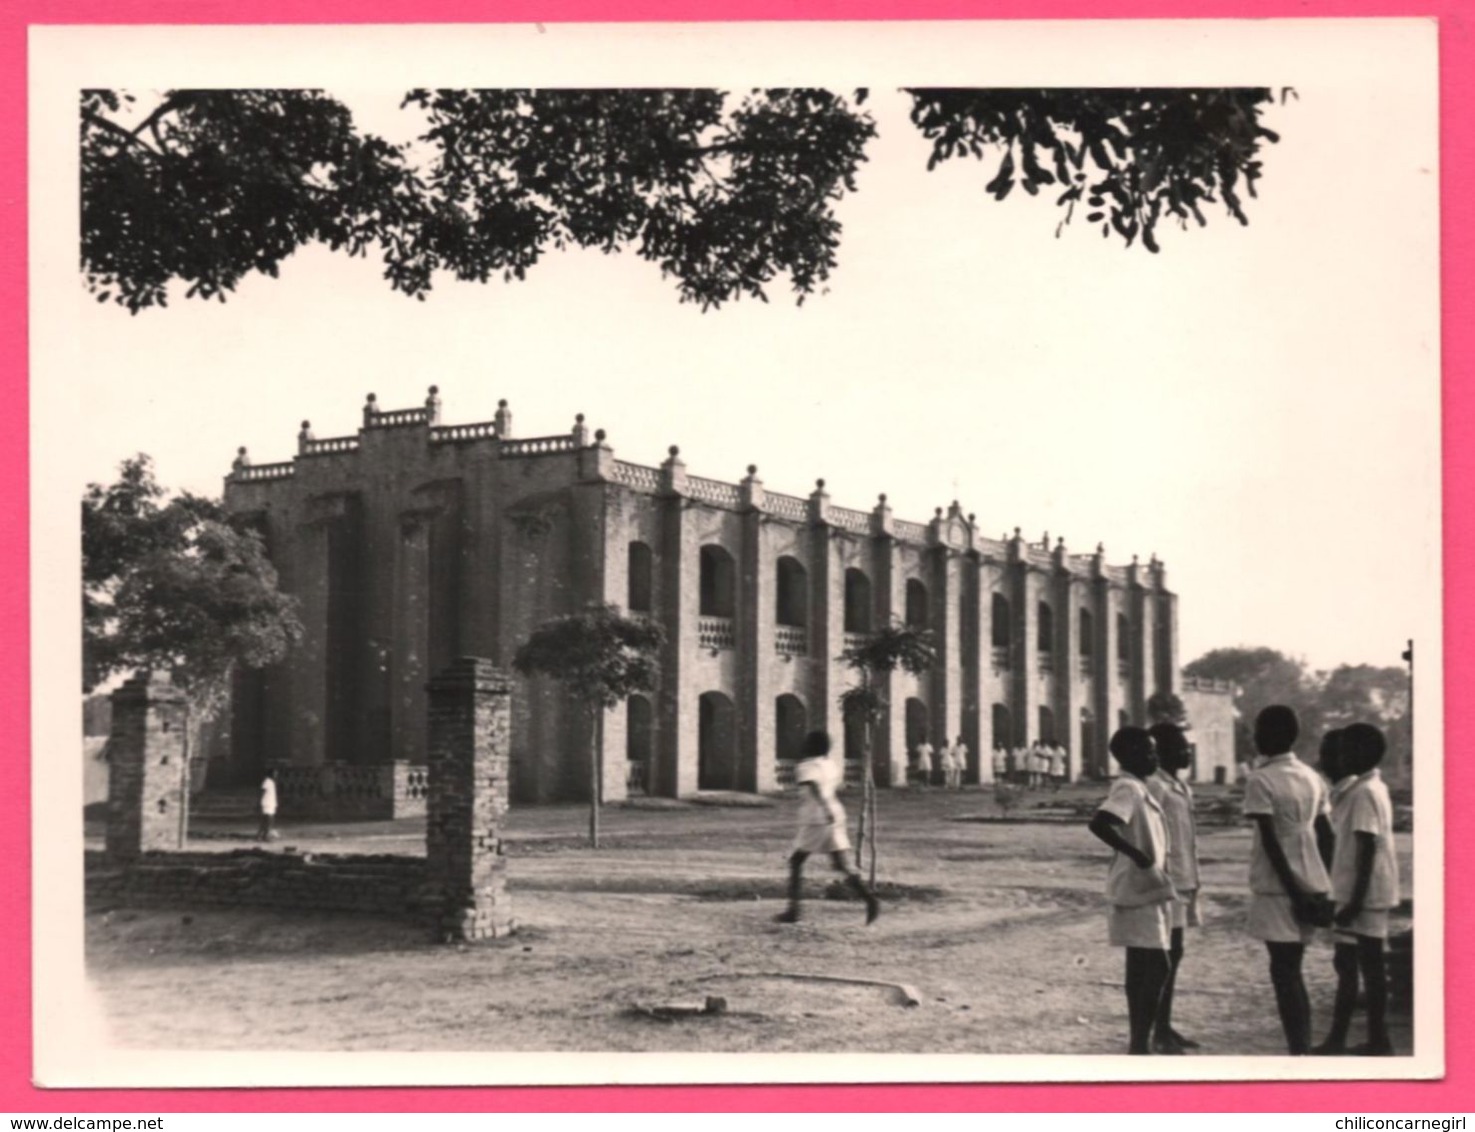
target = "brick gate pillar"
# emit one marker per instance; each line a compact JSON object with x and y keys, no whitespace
{"x":470,"y":735}
{"x":145,"y":767}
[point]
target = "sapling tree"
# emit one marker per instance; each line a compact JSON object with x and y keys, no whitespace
{"x":875,"y":656}
{"x":601,"y":657}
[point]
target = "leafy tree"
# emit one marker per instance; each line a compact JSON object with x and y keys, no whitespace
{"x":1261,"y":676}
{"x":1165,"y":707}
{"x":875,"y":657}
{"x":601,"y":658}
{"x":169,"y":585}
{"x":723,"y":193}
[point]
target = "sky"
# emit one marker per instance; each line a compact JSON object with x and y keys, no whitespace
{"x":1256,"y":405}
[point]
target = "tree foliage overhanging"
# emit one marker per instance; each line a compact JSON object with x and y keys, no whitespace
{"x":724,"y":194}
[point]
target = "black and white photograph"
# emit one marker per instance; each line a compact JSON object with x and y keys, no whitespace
{"x":737,"y":553}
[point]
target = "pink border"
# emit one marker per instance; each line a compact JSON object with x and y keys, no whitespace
{"x":1457,"y":79}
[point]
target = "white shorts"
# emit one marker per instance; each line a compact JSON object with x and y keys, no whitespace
{"x":821,"y":839}
{"x":1272,"y":919}
{"x":1186,"y":912}
{"x":1371,"y":923}
{"x":1148,"y":925}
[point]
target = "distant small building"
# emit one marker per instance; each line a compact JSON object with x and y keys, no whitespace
{"x":1209,"y":706}
{"x":413,"y":542}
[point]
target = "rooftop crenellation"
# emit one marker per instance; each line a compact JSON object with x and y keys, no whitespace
{"x":948,"y":526}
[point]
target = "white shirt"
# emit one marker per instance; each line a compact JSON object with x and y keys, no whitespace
{"x":1143,"y":828}
{"x":268,"y":796}
{"x":826,"y":775}
{"x":1293,"y":796}
{"x":1365,"y":807}
{"x":1057,"y":763}
{"x":1176,"y":799}
{"x":924,"y":756}
{"x":1001,"y":759}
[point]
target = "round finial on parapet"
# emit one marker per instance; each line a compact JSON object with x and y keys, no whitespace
{"x":674,"y":451}
{"x":1134,"y":560}
{"x":752,"y":469}
{"x":306,"y":425}
{"x":937,"y":513}
{"x":578,"y":418}
{"x":1060,"y":541}
{"x":502,"y":404}
{"x":1101,"y":548}
{"x":241,"y":451}
{"x":820,"y":484}
{"x":241,"y":461}
{"x":882,"y":497}
{"x":1045,"y":540}
{"x":600,"y":435}
{"x":580,"y":431}
{"x":955,"y":504}
{"x":972,"y":519}
{"x":434,"y":390}
{"x":1016,"y":532}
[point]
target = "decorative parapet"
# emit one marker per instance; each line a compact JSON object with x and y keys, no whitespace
{"x":258,"y":472}
{"x":908,"y":531}
{"x":637,"y":476}
{"x":857,"y":522}
{"x":330,"y":446}
{"x":461,"y":434}
{"x":716,"y":633}
{"x":538,"y":446}
{"x":789,"y":507}
{"x":715,"y":492}
{"x":1203,"y":684}
{"x":398,"y":418}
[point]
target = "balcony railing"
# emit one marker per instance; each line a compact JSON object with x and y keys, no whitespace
{"x":791,"y":640}
{"x":783,"y":773}
{"x":1086,"y":665}
{"x":716,"y":633}
{"x":856,"y":640}
{"x":1124,"y":669}
{"x":1046,"y":662}
{"x":999,"y":657}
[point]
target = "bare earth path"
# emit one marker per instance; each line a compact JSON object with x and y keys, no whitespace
{"x":999,"y":926}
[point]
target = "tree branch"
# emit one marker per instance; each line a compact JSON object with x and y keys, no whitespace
{"x":126,"y":135}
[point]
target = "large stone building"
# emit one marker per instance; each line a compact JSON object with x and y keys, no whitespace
{"x":415,"y":542}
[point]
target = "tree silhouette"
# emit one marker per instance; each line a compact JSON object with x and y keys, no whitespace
{"x":601,"y":658}
{"x":724,"y":193}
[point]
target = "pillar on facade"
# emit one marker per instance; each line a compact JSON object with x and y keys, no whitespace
{"x":470,"y":731}
{"x":146,"y":773}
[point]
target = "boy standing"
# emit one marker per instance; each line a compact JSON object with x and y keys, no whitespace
{"x":924,"y":762}
{"x":1364,"y":887}
{"x":1286,"y":800}
{"x":1138,"y":887}
{"x":1175,"y":797}
{"x":957,"y":764}
{"x":821,"y":826}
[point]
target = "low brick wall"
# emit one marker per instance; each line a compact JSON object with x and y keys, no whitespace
{"x":256,"y":878}
{"x":335,"y":791}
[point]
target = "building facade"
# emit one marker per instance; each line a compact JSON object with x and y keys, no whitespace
{"x":414,"y":542}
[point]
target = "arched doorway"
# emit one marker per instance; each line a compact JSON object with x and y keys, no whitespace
{"x":789,"y":723}
{"x":858,"y":601}
{"x":1046,"y":724}
{"x":717,"y":761}
{"x":1090,"y":764}
{"x":639,"y":746}
{"x":1002,"y":728}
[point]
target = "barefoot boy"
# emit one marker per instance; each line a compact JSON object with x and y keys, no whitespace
{"x":821,"y":826}
{"x":1175,"y":797}
{"x":1365,"y":888}
{"x":1137,"y":886}
{"x":1285,"y":799}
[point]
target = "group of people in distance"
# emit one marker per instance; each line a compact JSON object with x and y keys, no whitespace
{"x":1322,"y":857}
{"x":939,"y":766}
{"x":1039,"y":764}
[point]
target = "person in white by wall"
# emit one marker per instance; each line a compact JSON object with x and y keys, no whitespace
{"x":266,"y":807}
{"x":957,"y":763}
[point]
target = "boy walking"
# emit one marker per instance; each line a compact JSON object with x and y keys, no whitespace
{"x":1365,"y":889}
{"x":1175,"y":797}
{"x":821,"y":826}
{"x":1137,"y":886}
{"x":266,"y":807}
{"x":1287,"y":801}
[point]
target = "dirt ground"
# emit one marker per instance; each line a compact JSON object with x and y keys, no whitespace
{"x":999,"y":926}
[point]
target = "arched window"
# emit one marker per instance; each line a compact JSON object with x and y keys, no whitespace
{"x":999,"y":620}
{"x":1123,"y":719}
{"x":1047,"y":725}
{"x":1088,"y":633}
{"x":1046,"y":622}
{"x":718,"y":582}
{"x":1123,"y":638}
{"x":789,"y":722}
{"x":717,"y":761}
{"x":858,"y":604}
{"x":792,"y":605}
{"x":639,"y":573}
{"x":916,"y":604}
{"x":916,"y":722}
